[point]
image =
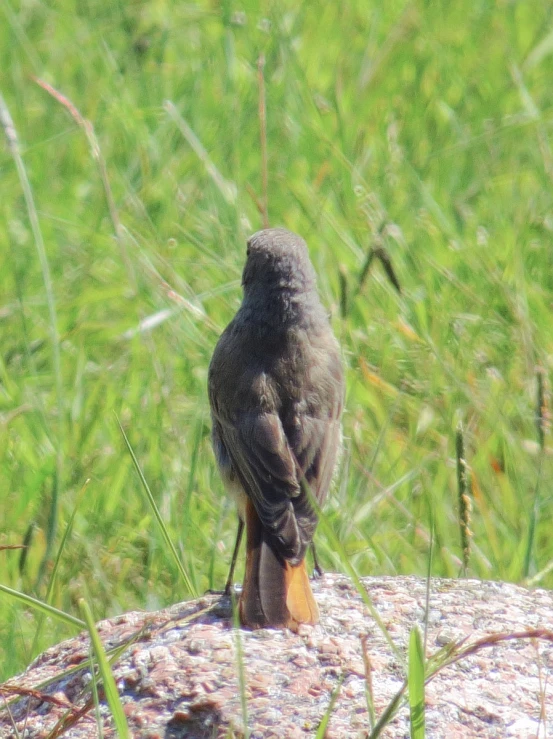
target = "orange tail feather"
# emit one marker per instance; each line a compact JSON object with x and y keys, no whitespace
{"x":275,"y":592}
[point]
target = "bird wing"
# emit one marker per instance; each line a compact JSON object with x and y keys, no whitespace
{"x":273,"y":463}
{"x":262,"y":461}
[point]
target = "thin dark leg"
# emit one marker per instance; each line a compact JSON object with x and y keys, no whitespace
{"x":317,"y":569}
{"x":234,"y":556}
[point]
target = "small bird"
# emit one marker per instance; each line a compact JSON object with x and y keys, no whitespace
{"x":276,"y":392}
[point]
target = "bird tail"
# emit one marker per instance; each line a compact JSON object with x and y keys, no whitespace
{"x":275,"y":592}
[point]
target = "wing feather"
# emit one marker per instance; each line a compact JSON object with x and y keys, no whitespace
{"x":273,"y":453}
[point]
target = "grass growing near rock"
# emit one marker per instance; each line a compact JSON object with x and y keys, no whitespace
{"x":421,"y":130}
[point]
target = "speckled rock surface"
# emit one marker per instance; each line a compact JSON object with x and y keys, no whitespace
{"x":179,"y":675}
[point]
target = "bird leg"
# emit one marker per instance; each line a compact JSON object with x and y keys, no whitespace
{"x":239,"y":533}
{"x":317,"y":569}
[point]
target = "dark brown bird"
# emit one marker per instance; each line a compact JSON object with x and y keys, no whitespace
{"x":276,"y":393}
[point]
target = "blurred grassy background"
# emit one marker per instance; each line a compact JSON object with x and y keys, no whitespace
{"x":424,"y":128}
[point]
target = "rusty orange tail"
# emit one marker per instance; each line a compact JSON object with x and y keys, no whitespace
{"x":275,"y":592}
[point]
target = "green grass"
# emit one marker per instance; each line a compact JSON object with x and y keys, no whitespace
{"x":423,"y":128}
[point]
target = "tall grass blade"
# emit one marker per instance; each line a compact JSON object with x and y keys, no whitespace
{"x":44,"y":608}
{"x":369,"y":692}
{"x":241,"y":665}
{"x":96,"y":152}
{"x":323,"y":726}
{"x":465,"y":506}
{"x":158,"y":516}
{"x":110,"y":688}
{"x":226,"y":188}
{"x":56,"y":431}
{"x":263,"y":140}
{"x":542,"y":423}
{"x":55,"y":569}
{"x":416,"y":684}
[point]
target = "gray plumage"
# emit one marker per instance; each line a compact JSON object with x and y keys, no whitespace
{"x":276,"y":393}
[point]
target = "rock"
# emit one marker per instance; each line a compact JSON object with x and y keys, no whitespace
{"x":179,"y":676}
